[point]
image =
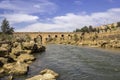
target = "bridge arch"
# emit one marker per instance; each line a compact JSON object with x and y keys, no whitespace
{"x":39,"y":39}
{"x":56,"y":36}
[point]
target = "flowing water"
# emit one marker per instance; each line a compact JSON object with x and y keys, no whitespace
{"x":77,"y":63}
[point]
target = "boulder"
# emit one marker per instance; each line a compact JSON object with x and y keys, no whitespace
{"x":28,"y":51}
{"x":3,"y":60}
{"x":17,"y":68}
{"x":17,"y":51}
{"x":8,"y":67}
{"x":20,"y":68}
{"x":9,"y":59}
{"x":15,"y":44}
{"x":3,"y":52}
{"x":1,"y":71}
{"x":41,"y":48}
{"x":38,"y":48}
{"x":46,"y":74}
{"x":35,"y":48}
{"x":48,"y":71}
{"x":37,"y":77}
{"x":25,"y":58}
{"x":28,"y":45}
{"x":5,"y":46}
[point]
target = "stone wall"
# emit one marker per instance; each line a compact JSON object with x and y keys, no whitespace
{"x":47,"y":35}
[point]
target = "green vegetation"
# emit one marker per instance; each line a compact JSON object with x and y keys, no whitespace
{"x":86,"y":29}
{"x":6,"y":31}
{"x":118,"y":24}
{"x":5,"y":27}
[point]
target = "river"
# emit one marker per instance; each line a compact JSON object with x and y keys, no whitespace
{"x":77,"y":63}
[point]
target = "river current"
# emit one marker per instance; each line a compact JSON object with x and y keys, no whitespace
{"x":77,"y":63}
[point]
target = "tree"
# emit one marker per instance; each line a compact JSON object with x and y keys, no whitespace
{"x":118,"y":24}
{"x":90,"y":28}
{"x":85,"y":29}
{"x":94,"y":30}
{"x":98,"y":30}
{"x":77,"y":30}
{"x":5,"y":27}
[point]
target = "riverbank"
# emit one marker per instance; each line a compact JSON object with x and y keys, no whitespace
{"x":116,"y":50}
{"x":15,"y":57}
{"x":110,"y":39}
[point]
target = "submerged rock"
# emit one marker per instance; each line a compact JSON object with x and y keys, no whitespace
{"x":46,"y":74}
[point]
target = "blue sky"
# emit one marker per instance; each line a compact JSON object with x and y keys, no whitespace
{"x":58,"y":15}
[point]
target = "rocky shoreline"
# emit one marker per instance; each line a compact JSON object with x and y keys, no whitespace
{"x":15,"y":57}
{"x":102,"y":40}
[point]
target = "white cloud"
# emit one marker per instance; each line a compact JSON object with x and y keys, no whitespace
{"x":45,"y":27}
{"x":19,"y":18}
{"x":25,"y":6}
{"x":18,"y":11}
{"x":71,"y":21}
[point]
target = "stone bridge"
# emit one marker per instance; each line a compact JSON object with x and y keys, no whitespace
{"x":48,"y":35}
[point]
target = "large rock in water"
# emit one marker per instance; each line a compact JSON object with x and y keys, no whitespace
{"x":41,"y":48}
{"x":28,"y":45}
{"x":34,"y":47}
{"x":46,"y":74}
{"x":16,"y":68}
{"x":38,"y":48}
{"x":25,"y":58}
